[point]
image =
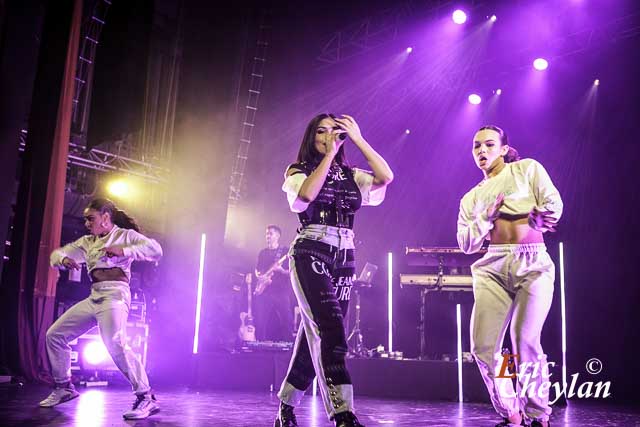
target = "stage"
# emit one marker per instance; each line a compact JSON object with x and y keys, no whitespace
{"x":103,"y":406}
{"x":373,"y":377}
{"x":202,"y":178}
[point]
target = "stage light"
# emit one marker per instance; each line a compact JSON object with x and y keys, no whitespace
{"x":563,"y":313}
{"x":95,"y":352}
{"x":540,"y":64}
{"x":493,"y":18}
{"x":390,"y":299}
{"x":596,"y":82}
{"x":459,"y":17}
{"x":498,"y":91}
{"x":475,"y":99}
{"x":119,"y":188}
{"x":409,"y":49}
{"x":407,"y":131}
{"x":196,"y":334}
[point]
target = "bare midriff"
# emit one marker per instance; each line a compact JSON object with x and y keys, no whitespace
{"x":108,"y":275}
{"x":514,"y":230}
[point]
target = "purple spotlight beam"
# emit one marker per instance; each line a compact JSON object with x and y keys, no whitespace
{"x":459,"y":17}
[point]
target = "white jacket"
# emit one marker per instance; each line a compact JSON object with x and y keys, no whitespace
{"x":88,"y":249}
{"x":525,"y":184}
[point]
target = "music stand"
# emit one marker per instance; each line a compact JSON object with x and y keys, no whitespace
{"x":364,"y":281}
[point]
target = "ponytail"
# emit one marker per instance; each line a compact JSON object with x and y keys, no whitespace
{"x":122,"y":220}
{"x":118,"y":217}
{"x":512,"y":155}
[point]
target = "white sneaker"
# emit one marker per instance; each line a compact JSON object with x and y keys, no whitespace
{"x":60,"y":395}
{"x":145,"y":405}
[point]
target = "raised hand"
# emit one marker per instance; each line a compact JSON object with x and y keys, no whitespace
{"x":350,"y":126}
{"x":542,"y":220}
{"x":333,"y":143}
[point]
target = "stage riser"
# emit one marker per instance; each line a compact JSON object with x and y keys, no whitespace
{"x":383,"y":378}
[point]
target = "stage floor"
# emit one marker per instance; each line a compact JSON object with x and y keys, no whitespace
{"x":103,"y":406}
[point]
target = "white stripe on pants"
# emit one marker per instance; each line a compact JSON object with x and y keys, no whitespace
{"x":108,"y":306}
{"x":512,"y":284}
{"x":322,"y":268}
{"x":325,"y":343}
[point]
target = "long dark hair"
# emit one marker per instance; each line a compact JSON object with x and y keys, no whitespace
{"x":308,"y":152}
{"x":118,"y":217}
{"x":512,"y":155}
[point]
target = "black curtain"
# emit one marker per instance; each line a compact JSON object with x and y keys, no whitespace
{"x":38,"y":216}
{"x":20,"y":34}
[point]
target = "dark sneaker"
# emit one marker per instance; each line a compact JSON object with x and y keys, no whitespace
{"x":346,"y":419}
{"x":60,"y":394}
{"x":145,"y":405}
{"x":285,"y":417}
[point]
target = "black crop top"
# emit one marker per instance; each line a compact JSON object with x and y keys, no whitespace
{"x":337,"y":201}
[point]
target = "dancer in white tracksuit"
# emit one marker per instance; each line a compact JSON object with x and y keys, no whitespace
{"x":113,"y":244}
{"x":513,"y":206}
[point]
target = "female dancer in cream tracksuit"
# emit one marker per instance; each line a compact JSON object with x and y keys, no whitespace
{"x":513,"y":206}
{"x":112,"y":245}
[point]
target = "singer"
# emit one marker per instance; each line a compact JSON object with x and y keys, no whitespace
{"x":326,"y":193}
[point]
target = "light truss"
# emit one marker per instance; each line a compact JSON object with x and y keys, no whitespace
{"x":372,"y":32}
{"x":104,"y":161}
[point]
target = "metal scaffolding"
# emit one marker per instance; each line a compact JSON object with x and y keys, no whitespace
{"x":104,"y":161}
{"x":250,"y":110}
{"x":383,"y":27}
{"x":374,"y":31}
{"x":91,"y":30}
